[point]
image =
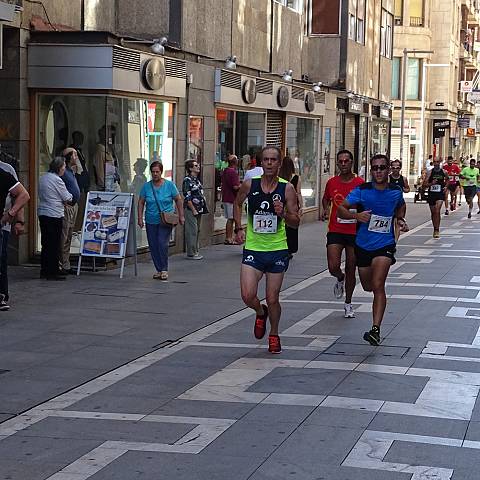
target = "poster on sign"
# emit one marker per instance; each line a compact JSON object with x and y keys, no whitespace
{"x":108,"y":229}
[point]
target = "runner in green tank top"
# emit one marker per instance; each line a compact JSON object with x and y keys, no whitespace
{"x":272,"y":202}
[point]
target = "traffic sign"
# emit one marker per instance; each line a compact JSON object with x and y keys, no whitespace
{"x":466,"y":86}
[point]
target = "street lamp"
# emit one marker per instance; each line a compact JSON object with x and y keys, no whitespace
{"x":404,"y":78}
{"x":422,"y":115}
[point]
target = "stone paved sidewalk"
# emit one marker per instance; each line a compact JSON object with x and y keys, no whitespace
{"x":213,"y":404}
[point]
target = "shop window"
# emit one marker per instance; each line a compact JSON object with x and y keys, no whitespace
{"x":241,"y":134}
{"x":302,"y":147}
{"x":117,"y":139}
{"x":324,"y":17}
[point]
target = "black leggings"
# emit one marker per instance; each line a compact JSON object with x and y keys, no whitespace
{"x":51,"y":233}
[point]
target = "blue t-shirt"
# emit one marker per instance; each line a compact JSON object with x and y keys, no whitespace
{"x":165,"y":195}
{"x":379,"y":232}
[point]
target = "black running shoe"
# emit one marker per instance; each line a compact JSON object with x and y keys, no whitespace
{"x":469,"y":215}
{"x":373,"y":336}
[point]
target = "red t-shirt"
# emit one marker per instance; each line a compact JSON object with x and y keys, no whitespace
{"x":230,"y":179}
{"x":336,"y":191}
{"x":453,"y":172}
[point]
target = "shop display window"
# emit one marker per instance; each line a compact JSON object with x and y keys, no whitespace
{"x":302,"y":147}
{"x":117,"y":139}
{"x":195,"y":139}
{"x":241,"y":134}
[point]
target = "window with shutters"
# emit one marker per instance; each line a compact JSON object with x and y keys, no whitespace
{"x":386,"y":34}
{"x":324,"y":17}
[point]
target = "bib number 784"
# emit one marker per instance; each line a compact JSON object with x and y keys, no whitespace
{"x":380,"y":224}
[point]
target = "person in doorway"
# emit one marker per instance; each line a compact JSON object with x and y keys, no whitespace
{"x":378,"y":204}
{"x":52,"y":198}
{"x":71,"y":209}
{"x":471,"y":178}
{"x":272,"y":203}
{"x":82,"y":175}
{"x":453,"y":184}
{"x":194,"y":205}
{"x":18,"y":224}
{"x":396,"y":178}
{"x":105,"y":164}
{"x":341,"y":233}
{"x":139,"y":178}
{"x":287,"y":172}
{"x":156,"y":198}
{"x":436,"y":182}
{"x":230,"y":187}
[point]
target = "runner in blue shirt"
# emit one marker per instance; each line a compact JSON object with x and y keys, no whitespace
{"x":379,"y":204}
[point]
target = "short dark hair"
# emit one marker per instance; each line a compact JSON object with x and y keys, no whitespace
{"x":449,"y":158}
{"x":287,"y":170}
{"x":345,"y":152}
{"x":158,"y":164}
{"x":272,"y":147}
{"x":395,"y":161}
{"x":56,"y":165}
{"x":380,"y":156}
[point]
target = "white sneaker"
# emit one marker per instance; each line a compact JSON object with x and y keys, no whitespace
{"x":349,"y":311}
{"x":195,"y":257}
{"x":339,"y":288}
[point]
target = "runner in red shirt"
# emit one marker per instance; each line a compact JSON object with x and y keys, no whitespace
{"x":453,"y":185}
{"x":341,"y":233}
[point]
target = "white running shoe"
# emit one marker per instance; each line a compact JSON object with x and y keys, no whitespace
{"x":339,"y":288}
{"x":349,"y":311}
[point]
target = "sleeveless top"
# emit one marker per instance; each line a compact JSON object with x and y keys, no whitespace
{"x":265,"y":230}
{"x":399,"y":182}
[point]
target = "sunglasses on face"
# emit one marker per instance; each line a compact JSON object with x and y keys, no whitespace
{"x":376,"y":168}
{"x":395,"y":168}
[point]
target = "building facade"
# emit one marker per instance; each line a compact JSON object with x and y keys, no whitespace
{"x":92,"y":70}
{"x":445,"y":31}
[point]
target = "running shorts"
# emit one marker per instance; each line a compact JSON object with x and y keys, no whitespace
{"x":434,"y":197}
{"x":470,"y":191}
{"x":267,"y":262}
{"x":453,"y":186}
{"x":365,"y":257}
{"x":345,"y":239}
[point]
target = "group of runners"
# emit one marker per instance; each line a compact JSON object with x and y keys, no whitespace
{"x":445,"y":183}
{"x":364,"y":218}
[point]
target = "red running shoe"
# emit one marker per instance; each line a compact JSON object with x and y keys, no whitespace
{"x":261,"y":324}
{"x":274,"y":345}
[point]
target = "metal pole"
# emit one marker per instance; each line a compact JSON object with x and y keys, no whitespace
{"x":402,"y":113}
{"x":422,"y":119}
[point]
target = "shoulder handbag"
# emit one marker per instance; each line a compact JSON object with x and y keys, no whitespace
{"x":168,"y":218}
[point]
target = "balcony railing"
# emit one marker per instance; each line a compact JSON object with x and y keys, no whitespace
{"x":416,"y":21}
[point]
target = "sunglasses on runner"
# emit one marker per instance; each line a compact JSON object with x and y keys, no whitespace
{"x":375,"y":168}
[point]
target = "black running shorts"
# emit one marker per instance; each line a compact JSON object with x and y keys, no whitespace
{"x":345,"y":239}
{"x":365,"y":257}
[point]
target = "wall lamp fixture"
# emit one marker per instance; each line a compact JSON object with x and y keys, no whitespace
{"x":287,"y":76}
{"x":317,"y":87}
{"x":231,"y":62}
{"x":157,"y":45}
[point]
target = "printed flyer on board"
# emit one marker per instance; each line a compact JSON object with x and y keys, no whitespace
{"x":106,"y":224}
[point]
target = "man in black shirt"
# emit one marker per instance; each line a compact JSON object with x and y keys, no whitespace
{"x":436,"y":181}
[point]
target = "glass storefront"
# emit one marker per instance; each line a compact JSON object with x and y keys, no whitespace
{"x":239,"y":133}
{"x":380,"y":138}
{"x":302,"y":147}
{"x":117,"y":139}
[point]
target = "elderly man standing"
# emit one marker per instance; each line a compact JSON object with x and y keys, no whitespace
{"x":230,"y":186}
{"x":71,"y":211}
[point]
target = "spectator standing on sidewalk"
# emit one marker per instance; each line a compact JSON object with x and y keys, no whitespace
{"x":19,"y":228}
{"x":255,"y":167}
{"x":156,"y":199}
{"x":71,"y":210}
{"x":52,"y":197}
{"x":195,"y":205}
{"x":230,"y":186}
